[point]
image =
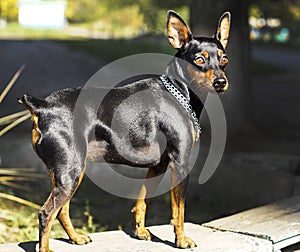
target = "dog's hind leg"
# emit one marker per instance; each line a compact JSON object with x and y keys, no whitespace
{"x":65,"y":221}
{"x":179,"y":181}
{"x":152,"y":179}
{"x":63,"y":188}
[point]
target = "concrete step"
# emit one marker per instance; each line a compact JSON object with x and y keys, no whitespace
{"x":207,"y":239}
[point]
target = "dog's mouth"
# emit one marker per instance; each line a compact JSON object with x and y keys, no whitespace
{"x":217,"y":90}
{"x":220,"y":91}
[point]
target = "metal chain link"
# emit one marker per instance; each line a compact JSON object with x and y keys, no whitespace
{"x":184,"y":102}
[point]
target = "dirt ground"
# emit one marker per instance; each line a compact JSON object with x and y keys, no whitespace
{"x":263,"y":166}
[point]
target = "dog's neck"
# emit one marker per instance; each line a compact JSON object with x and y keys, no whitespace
{"x":181,"y":80}
{"x":177,"y":76}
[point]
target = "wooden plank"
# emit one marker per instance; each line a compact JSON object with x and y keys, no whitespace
{"x":278,"y":222}
{"x":207,"y":239}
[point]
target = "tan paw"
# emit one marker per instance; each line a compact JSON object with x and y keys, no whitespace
{"x":185,"y":242}
{"x":142,"y":234}
{"x":81,"y":239}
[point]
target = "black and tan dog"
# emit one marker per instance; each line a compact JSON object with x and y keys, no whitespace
{"x":65,"y":149}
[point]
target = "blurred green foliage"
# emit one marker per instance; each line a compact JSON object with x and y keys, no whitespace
{"x":145,"y":15}
{"x":9,"y":10}
{"x":150,"y":12}
{"x":286,"y":10}
{"x":116,"y":12}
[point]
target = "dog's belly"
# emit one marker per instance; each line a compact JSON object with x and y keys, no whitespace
{"x":96,"y":151}
{"x":102,"y":151}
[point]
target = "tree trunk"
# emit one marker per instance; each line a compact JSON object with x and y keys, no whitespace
{"x":203,"y":21}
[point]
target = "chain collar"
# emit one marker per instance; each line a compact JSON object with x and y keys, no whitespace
{"x":183,"y":102}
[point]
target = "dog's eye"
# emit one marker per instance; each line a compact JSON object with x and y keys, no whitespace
{"x":224,"y":60}
{"x":199,"y":60}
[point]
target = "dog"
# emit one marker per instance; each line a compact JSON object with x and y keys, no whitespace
{"x":65,"y":150}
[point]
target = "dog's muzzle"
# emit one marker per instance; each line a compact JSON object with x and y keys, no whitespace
{"x":220,"y":84}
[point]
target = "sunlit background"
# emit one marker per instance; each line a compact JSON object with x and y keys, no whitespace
{"x":269,"y":20}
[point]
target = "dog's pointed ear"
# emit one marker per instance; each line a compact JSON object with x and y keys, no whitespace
{"x":178,"y":32}
{"x":223,"y":30}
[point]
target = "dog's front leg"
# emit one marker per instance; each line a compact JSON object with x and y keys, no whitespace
{"x":179,"y":184}
{"x":139,"y":211}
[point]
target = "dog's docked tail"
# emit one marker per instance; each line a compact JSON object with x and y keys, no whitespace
{"x":31,"y":103}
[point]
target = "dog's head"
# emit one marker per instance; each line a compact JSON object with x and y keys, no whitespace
{"x":206,"y":56}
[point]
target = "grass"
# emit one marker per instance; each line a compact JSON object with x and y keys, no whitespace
{"x":18,"y":217}
{"x":16,"y":118}
{"x":71,"y":31}
{"x":19,"y":222}
{"x":15,"y":31}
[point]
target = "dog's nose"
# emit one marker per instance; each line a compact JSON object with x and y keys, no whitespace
{"x":219,"y":83}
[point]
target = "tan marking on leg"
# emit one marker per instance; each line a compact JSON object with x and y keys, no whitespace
{"x":44,"y":235}
{"x":177,"y":201}
{"x":152,"y":179}
{"x":174,"y":201}
{"x":139,"y":215}
{"x":52,"y":179}
{"x":65,"y":220}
